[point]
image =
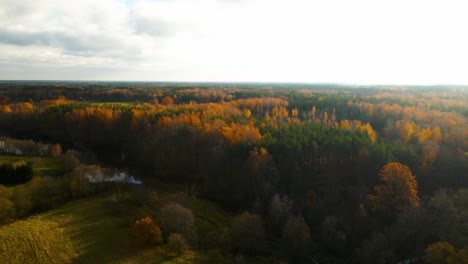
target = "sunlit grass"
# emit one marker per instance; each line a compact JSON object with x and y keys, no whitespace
{"x":85,"y":231}
{"x":80,"y":231}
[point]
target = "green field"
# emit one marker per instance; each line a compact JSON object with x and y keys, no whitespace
{"x":85,"y":231}
{"x":42,"y":165}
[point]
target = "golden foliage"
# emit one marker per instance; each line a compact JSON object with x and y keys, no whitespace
{"x":399,"y":190}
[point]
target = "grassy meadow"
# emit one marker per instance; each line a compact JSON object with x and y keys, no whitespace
{"x":86,"y":231}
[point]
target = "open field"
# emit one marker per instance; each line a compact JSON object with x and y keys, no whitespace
{"x":85,"y":231}
{"x":41,"y":165}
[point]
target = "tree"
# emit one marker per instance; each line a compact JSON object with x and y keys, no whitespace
{"x":436,"y":134}
{"x":439,"y":253}
{"x":70,"y":160}
{"x":175,"y":218}
{"x":56,"y":150}
{"x":448,"y":216}
{"x":406,"y":131}
{"x":399,"y":190}
{"x":247,"y":113}
{"x":331,"y":236}
{"x":424,"y":134}
{"x":296,"y":239}
{"x":247,"y":233}
{"x":376,"y":250}
{"x":145,"y":232}
{"x":79,"y":184}
{"x":262,"y":174}
{"x":167,"y":101}
{"x":280,"y":207}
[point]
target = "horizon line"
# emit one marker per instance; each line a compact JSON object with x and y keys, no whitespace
{"x":232,"y":82}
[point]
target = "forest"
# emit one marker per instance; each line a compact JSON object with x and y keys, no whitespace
{"x":297,"y":173}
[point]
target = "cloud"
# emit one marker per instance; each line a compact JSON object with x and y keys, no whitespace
{"x":150,"y":26}
{"x":235,"y":40}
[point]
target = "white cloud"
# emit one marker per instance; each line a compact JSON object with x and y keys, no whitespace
{"x":362,"y":41}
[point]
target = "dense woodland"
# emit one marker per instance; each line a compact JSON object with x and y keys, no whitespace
{"x":327,"y":174}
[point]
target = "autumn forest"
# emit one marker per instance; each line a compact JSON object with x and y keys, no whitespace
{"x":243,"y":173}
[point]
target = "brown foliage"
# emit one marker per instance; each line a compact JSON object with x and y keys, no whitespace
{"x":146,"y":233}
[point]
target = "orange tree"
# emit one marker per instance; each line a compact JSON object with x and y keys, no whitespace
{"x":399,"y":190}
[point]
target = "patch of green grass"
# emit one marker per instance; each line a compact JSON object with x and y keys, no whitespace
{"x":160,"y":255}
{"x":79,"y":232}
{"x":36,"y":241}
{"x":41,"y":165}
{"x":210,"y":221}
{"x":86,"y":231}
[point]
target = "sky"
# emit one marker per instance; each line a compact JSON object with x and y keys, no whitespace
{"x":323,"y":41}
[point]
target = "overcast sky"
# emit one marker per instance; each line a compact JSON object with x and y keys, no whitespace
{"x":349,"y":41}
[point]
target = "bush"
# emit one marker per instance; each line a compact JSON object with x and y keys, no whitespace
{"x":247,"y":233}
{"x":177,"y":244}
{"x":146,"y":233}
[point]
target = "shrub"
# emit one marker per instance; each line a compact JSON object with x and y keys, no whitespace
{"x":177,"y":244}
{"x":146,"y":233}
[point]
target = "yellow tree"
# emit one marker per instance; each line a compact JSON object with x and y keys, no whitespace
{"x":436,"y":134}
{"x":424,"y":134}
{"x":294,"y":112}
{"x":275,"y":112}
{"x":344,"y":124}
{"x":406,"y":131}
{"x":399,"y":190}
{"x":247,"y":113}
